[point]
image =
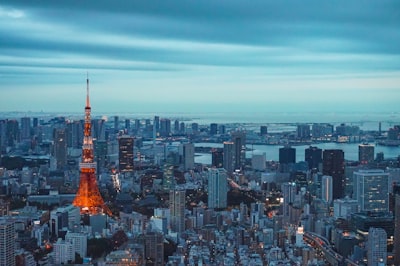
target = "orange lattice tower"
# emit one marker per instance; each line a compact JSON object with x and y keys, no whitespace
{"x":88,"y":197}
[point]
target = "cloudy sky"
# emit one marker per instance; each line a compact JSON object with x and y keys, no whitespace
{"x":197,"y":56}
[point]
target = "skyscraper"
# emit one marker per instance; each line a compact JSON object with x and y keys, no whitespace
{"x":186,"y":151}
{"x":229,"y":157}
{"x":333,"y":165}
{"x":25,"y":128}
{"x":154,"y":248}
{"x":313,"y":156}
{"x":60,"y":147}
{"x":287,"y":155}
{"x":217,"y":188}
{"x":326,"y":188}
{"x":116,"y":123}
{"x":165,"y":127}
{"x":377,"y":247}
{"x":126,"y":155}
{"x":239,"y":140}
{"x":88,"y":197}
{"x":213,"y":128}
{"x":366,"y":153}
{"x":303,"y":131}
{"x":371,"y":190}
{"x":177,"y":210}
{"x":7,"y":244}
{"x":217,"y":157}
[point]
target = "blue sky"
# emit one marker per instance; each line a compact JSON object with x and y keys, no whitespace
{"x":199,"y":56}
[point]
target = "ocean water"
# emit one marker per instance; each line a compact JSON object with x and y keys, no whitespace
{"x":272,"y":151}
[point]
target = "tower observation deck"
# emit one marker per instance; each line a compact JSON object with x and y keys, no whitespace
{"x":88,"y":197}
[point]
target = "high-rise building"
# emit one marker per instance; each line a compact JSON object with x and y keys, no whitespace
{"x":371,"y":190}
{"x":186,"y":152}
{"x":217,"y":157}
{"x":303,"y":131}
{"x":60,"y":147}
{"x":213,"y":129}
{"x":156,"y":124}
{"x":177,"y":210}
{"x":126,"y":155}
{"x":239,"y":140}
{"x":263,"y":130}
{"x":287,"y":155}
{"x":25,"y":128}
{"x":116,"y":123}
{"x":326,"y":188}
{"x":7,"y":243}
{"x":154,"y":248}
{"x":182,"y":128}
{"x":333,"y":165}
{"x":366,"y":153}
{"x":88,"y":197}
{"x":63,"y":252}
{"x":127,"y":125}
{"x":396,"y":237}
{"x":176,"y":127}
{"x":313,"y":156}
{"x":195,"y":128}
{"x":165,"y":127}
{"x":377,"y":247}
{"x":79,"y":242}
{"x":229,"y":157}
{"x":217,"y":188}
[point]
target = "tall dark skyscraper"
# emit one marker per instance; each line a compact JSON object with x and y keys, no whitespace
{"x":333,"y":165}
{"x":313,"y":156}
{"x":263,"y":130}
{"x":213,"y":129}
{"x":229,"y":156}
{"x":126,"y":155}
{"x":239,"y":140}
{"x":165,"y":127}
{"x":217,"y":158}
{"x":177,"y":210}
{"x":60,"y":147}
{"x":287,"y":155}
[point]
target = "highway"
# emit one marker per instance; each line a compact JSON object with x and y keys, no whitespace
{"x":323,"y":244}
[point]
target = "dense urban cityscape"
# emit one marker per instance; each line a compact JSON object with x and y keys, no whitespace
{"x":128,"y":191}
{"x":208,"y":132}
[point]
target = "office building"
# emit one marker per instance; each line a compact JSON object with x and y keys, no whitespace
{"x":217,"y":188}
{"x":258,"y":162}
{"x":79,"y":242}
{"x":366,"y":153}
{"x":263,"y":130}
{"x":229,"y":157}
{"x":303,"y":131}
{"x":126,"y":156}
{"x":239,"y":141}
{"x":60,"y":147}
{"x":343,"y":208}
{"x":326,"y":189}
{"x":217,"y":157}
{"x":287,"y":155}
{"x":313,"y":157}
{"x":213,"y":129}
{"x":165,"y":127}
{"x":116,"y":123}
{"x":25,"y":128}
{"x":377,"y":247}
{"x":186,"y":153}
{"x":333,"y":165}
{"x":176,"y":127}
{"x":177,"y":210}
{"x":154,"y":248}
{"x":63,"y":252}
{"x":371,"y":190}
{"x":7,"y":243}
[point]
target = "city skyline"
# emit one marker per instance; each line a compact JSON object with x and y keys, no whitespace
{"x":200,"y":56}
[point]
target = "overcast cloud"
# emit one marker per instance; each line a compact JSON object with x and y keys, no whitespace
{"x":200,"y":55}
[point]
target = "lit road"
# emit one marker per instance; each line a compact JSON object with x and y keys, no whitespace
{"x":323,"y":244}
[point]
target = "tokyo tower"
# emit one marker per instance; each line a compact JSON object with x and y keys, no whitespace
{"x":88,"y":197}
